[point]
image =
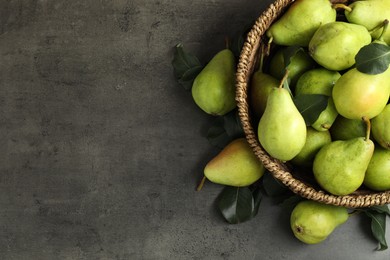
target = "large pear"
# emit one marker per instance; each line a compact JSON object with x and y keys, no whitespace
{"x":300,"y":21}
{"x":378,"y":171}
{"x":381,"y":128}
{"x":312,"y":222}
{"x":339,"y":167}
{"x":335,"y":45}
{"x":236,"y":165}
{"x":282,"y":129}
{"x":213,"y":89}
{"x":357,"y":94}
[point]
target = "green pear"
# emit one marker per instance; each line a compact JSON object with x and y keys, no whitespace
{"x":261,"y":86}
{"x":282,"y":129}
{"x":300,"y":62}
{"x":380,"y":126}
{"x":320,"y":81}
{"x":339,"y":167}
{"x":236,"y":165}
{"x":314,"y":141}
{"x":370,"y":14}
{"x":213,"y":89}
{"x":357,"y":94}
{"x":378,"y":171}
{"x":335,"y":45}
{"x":312,"y":222}
{"x":300,"y":21}
{"x":344,"y":128}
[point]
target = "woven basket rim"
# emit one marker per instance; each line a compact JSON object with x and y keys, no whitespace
{"x":278,"y":169}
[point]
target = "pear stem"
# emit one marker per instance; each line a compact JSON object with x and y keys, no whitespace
{"x":261,"y":62}
{"x":200,"y":185}
{"x":269,"y":45}
{"x":385,"y":24}
{"x":343,"y":6}
{"x":227,"y":45}
{"x":368,"y":129}
{"x":284,"y":79}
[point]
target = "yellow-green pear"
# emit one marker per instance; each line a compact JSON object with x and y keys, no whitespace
{"x":261,"y":86}
{"x":300,"y":62}
{"x":344,"y":128}
{"x":312,"y":222}
{"x":370,"y":14}
{"x":335,"y":45}
{"x":213,"y":89}
{"x":315,"y":140}
{"x":339,"y":167}
{"x":357,"y":94}
{"x":236,"y":165}
{"x":300,"y":21}
{"x":380,"y":127}
{"x":282,"y":129}
{"x":378,"y":171}
{"x":320,"y":81}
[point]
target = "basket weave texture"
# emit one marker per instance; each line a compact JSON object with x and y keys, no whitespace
{"x":245,"y":68}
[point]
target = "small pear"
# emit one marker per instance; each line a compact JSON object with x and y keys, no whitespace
{"x":378,"y":171}
{"x":300,"y":62}
{"x":312,"y":222}
{"x":335,"y":45}
{"x":300,"y":21}
{"x":381,"y":128}
{"x":314,"y":141}
{"x":339,"y":167}
{"x":213,"y":89}
{"x":344,"y":128}
{"x":236,"y":165}
{"x":320,"y":81}
{"x":261,"y":86}
{"x":357,"y":94}
{"x":282,"y":129}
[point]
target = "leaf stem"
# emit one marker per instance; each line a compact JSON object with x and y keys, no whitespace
{"x":201,"y":183}
{"x":368,"y":125}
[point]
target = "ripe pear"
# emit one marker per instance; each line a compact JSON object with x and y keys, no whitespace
{"x":344,"y":128}
{"x":213,"y":89}
{"x":261,"y":86}
{"x":378,"y":171}
{"x":236,"y":165}
{"x":357,"y":94}
{"x":312,"y":222}
{"x":299,"y":63}
{"x":380,"y":126}
{"x":314,"y":141}
{"x":282,"y":129}
{"x":339,"y":167}
{"x":300,"y":21}
{"x":320,"y":81}
{"x":370,"y":14}
{"x":335,"y":45}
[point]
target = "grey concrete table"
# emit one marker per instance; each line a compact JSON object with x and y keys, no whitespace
{"x":101,"y":149}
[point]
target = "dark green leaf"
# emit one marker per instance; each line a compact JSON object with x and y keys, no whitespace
{"x":373,"y":58}
{"x":378,"y":227}
{"x":257,"y":196}
{"x":291,"y":202}
{"x":236,"y":204}
{"x":287,"y":87}
{"x":289,"y":53}
{"x":381,"y":209}
{"x":225,"y":129}
{"x":273,"y":187}
{"x":185,"y":66}
{"x":311,"y":106}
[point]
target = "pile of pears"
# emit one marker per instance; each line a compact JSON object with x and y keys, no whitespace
{"x":347,"y":147}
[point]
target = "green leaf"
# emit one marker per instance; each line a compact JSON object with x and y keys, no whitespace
{"x":381,"y":209}
{"x":273,"y":187}
{"x":290,"y":203}
{"x":378,"y":227}
{"x":287,"y":87}
{"x":185,"y":66}
{"x":236,"y":204}
{"x":289,"y":53}
{"x":373,"y":58}
{"x":311,"y":106}
{"x":225,"y":129}
{"x":257,"y":197}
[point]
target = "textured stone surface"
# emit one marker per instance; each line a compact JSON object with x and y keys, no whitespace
{"x":102,"y":150}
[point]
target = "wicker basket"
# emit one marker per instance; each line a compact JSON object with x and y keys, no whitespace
{"x":305,"y":188}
